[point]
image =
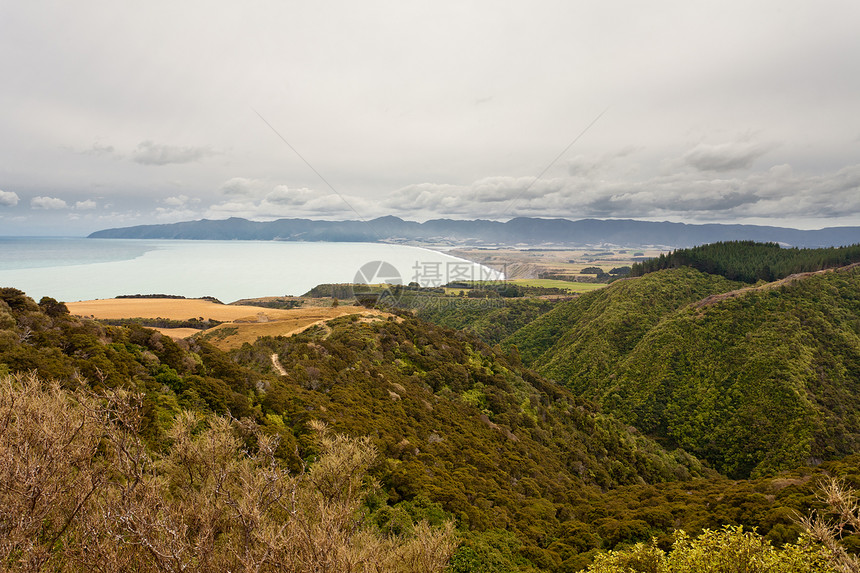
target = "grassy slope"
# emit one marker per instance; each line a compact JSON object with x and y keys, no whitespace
{"x":569,"y":286}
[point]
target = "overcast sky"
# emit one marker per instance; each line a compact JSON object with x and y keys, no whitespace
{"x":117,"y":113}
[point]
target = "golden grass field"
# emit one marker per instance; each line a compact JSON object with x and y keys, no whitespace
{"x":172,"y":308}
{"x":232,"y":335}
{"x":241,"y":323}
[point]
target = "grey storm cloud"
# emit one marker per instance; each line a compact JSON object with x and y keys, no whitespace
{"x":725,"y":156}
{"x":778,"y":191}
{"x":149,"y":153}
{"x":8,"y":198}
{"x":99,"y":149}
{"x":244,"y":186}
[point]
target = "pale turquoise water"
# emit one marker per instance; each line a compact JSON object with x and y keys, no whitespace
{"x":83,"y":269}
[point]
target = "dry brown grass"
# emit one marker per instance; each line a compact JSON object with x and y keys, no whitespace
{"x":232,"y":335}
{"x":177,"y":333}
{"x":174,"y":309}
{"x":241,"y":323}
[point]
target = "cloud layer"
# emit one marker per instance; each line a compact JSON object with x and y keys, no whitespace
{"x":149,"y":153}
{"x":779,"y":191}
{"x":115,"y":114}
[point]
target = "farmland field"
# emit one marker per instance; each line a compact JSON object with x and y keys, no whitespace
{"x":240,"y":323}
{"x":533,"y":263}
{"x":569,"y":286}
{"x":172,"y":308}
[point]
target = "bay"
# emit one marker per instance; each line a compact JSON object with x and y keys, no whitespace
{"x":72,"y":269}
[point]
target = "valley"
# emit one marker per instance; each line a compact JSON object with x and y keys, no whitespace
{"x":547,"y":429}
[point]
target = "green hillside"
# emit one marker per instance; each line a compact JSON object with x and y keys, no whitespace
{"x":461,"y":430}
{"x":763,"y":380}
{"x":766,"y":380}
{"x":492,"y":320}
{"x":586,"y":336}
{"x":456,"y":421}
{"x":758,"y":381}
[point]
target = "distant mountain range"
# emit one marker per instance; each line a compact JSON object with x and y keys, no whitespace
{"x":521,"y":231}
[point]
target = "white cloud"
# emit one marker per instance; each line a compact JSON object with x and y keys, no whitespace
{"x":149,"y":153}
{"x":180,"y":200}
{"x":86,"y":205}
{"x":47,"y":203}
{"x":8,"y":198}
{"x":283,"y":195}
{"x":283,"y":204}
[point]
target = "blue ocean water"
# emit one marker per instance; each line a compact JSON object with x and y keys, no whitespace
{"x":72,"y":269}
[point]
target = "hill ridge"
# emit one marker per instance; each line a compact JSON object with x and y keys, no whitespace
{"x":515,"y":232}
{"x":751,"y":379}
{"x":716,"y":298}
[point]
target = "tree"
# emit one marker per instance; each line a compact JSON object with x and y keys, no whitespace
{"x":53,"y":308}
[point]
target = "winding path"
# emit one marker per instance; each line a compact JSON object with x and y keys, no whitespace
{"x":278,"y":366}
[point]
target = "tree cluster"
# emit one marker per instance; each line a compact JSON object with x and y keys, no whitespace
{"x":749,"y":262}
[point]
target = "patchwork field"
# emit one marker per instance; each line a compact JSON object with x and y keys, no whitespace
{"x":240,"y":323}
{"x":569,"y":286}
{"x":532,"y":263}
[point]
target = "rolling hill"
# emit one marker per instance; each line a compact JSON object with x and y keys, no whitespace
{"x":752,"y":380}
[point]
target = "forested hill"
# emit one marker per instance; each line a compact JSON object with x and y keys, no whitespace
{"x":753,"y":381}
{"x":591,"y":333}
{"x":518,"y":231}
{"x":749,"y":261}
{"x":534,"y":477}
{"x":463,"y":430}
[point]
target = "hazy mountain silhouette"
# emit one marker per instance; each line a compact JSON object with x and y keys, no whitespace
{"x":521,"y":231}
